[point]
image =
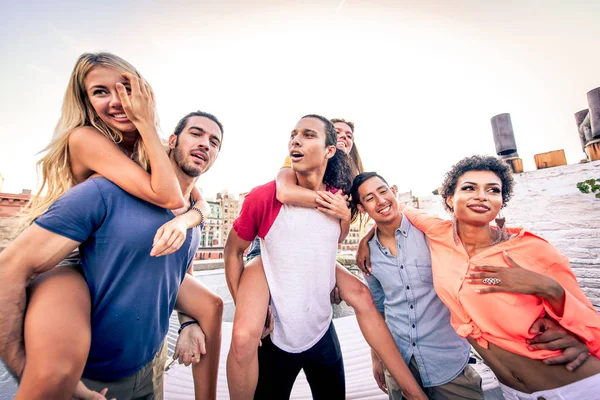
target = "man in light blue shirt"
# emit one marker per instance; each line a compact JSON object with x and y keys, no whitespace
{"x":402,"y":287}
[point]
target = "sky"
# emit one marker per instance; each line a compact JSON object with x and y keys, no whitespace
{"x":420,"y":79}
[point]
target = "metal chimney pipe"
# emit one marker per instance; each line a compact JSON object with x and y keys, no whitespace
{"x":504,"y":137}
{"x":593,"y":97}
{"x":582,"y":128}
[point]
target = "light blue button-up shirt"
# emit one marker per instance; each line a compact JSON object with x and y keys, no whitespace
{"x":402,"y":287}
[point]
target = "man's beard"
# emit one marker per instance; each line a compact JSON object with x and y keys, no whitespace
{"x":189,"y":170}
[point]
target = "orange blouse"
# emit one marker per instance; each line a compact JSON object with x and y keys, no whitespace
{"x":504,"y":319}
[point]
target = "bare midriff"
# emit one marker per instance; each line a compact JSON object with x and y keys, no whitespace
{"x":528,"y":375}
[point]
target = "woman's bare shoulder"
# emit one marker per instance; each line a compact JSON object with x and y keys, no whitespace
{"x":84,"y":134}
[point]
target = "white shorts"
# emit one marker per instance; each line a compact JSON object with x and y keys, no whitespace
{"x":586,"y":389}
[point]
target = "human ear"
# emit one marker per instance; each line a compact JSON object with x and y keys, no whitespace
{"x":330,"y":152}
{"x":172,"y":141}
{"x":449,"y":202}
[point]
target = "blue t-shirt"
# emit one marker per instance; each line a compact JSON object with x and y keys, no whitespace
{"x":133,"y":294}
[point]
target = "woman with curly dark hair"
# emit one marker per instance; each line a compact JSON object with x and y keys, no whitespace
{"x":497,"y":281}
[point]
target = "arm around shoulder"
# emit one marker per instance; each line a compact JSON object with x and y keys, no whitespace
{"x":288,"y":191}
{"x":428,"y":224}
{"x":92,"y":151}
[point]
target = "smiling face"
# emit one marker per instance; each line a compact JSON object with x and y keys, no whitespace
{"x":101,"y":89}
{"x":345,"y":137}
{"x":378,"y":200}
{"x":195,"y":149}
{"x":307,"y":145}
{"x":477,"y":199}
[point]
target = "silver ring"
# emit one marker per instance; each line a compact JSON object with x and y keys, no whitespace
{"x":491,"y":281}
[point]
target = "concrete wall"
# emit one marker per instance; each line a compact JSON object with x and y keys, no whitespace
{"x":548,"y":203}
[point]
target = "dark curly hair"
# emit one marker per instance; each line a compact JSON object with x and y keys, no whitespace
{"x":478,"y":163}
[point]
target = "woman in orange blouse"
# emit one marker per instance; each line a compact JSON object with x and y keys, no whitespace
{"x":497,"y":282}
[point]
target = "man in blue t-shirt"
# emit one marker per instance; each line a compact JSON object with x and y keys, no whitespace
{"x":132,"y":294}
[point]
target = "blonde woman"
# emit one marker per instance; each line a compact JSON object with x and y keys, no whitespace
{"x":108,"y":128}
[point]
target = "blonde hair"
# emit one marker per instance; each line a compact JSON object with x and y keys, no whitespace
{"x":77,"y":111}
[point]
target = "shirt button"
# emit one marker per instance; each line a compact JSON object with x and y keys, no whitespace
{"x":402,"y":267}
{"x":414,"y":344}
{"x":414,"y":326}
{"x":411,"y":307}
{"x":407,"y":287}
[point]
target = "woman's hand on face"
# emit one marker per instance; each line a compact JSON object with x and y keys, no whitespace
{"x":335,"y":205}
{"x":139,"y":105}
{"x":513,"y":279}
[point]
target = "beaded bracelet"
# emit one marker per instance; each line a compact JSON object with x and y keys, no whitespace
{"x":201,"y":224}
{"x":186,"y":324}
